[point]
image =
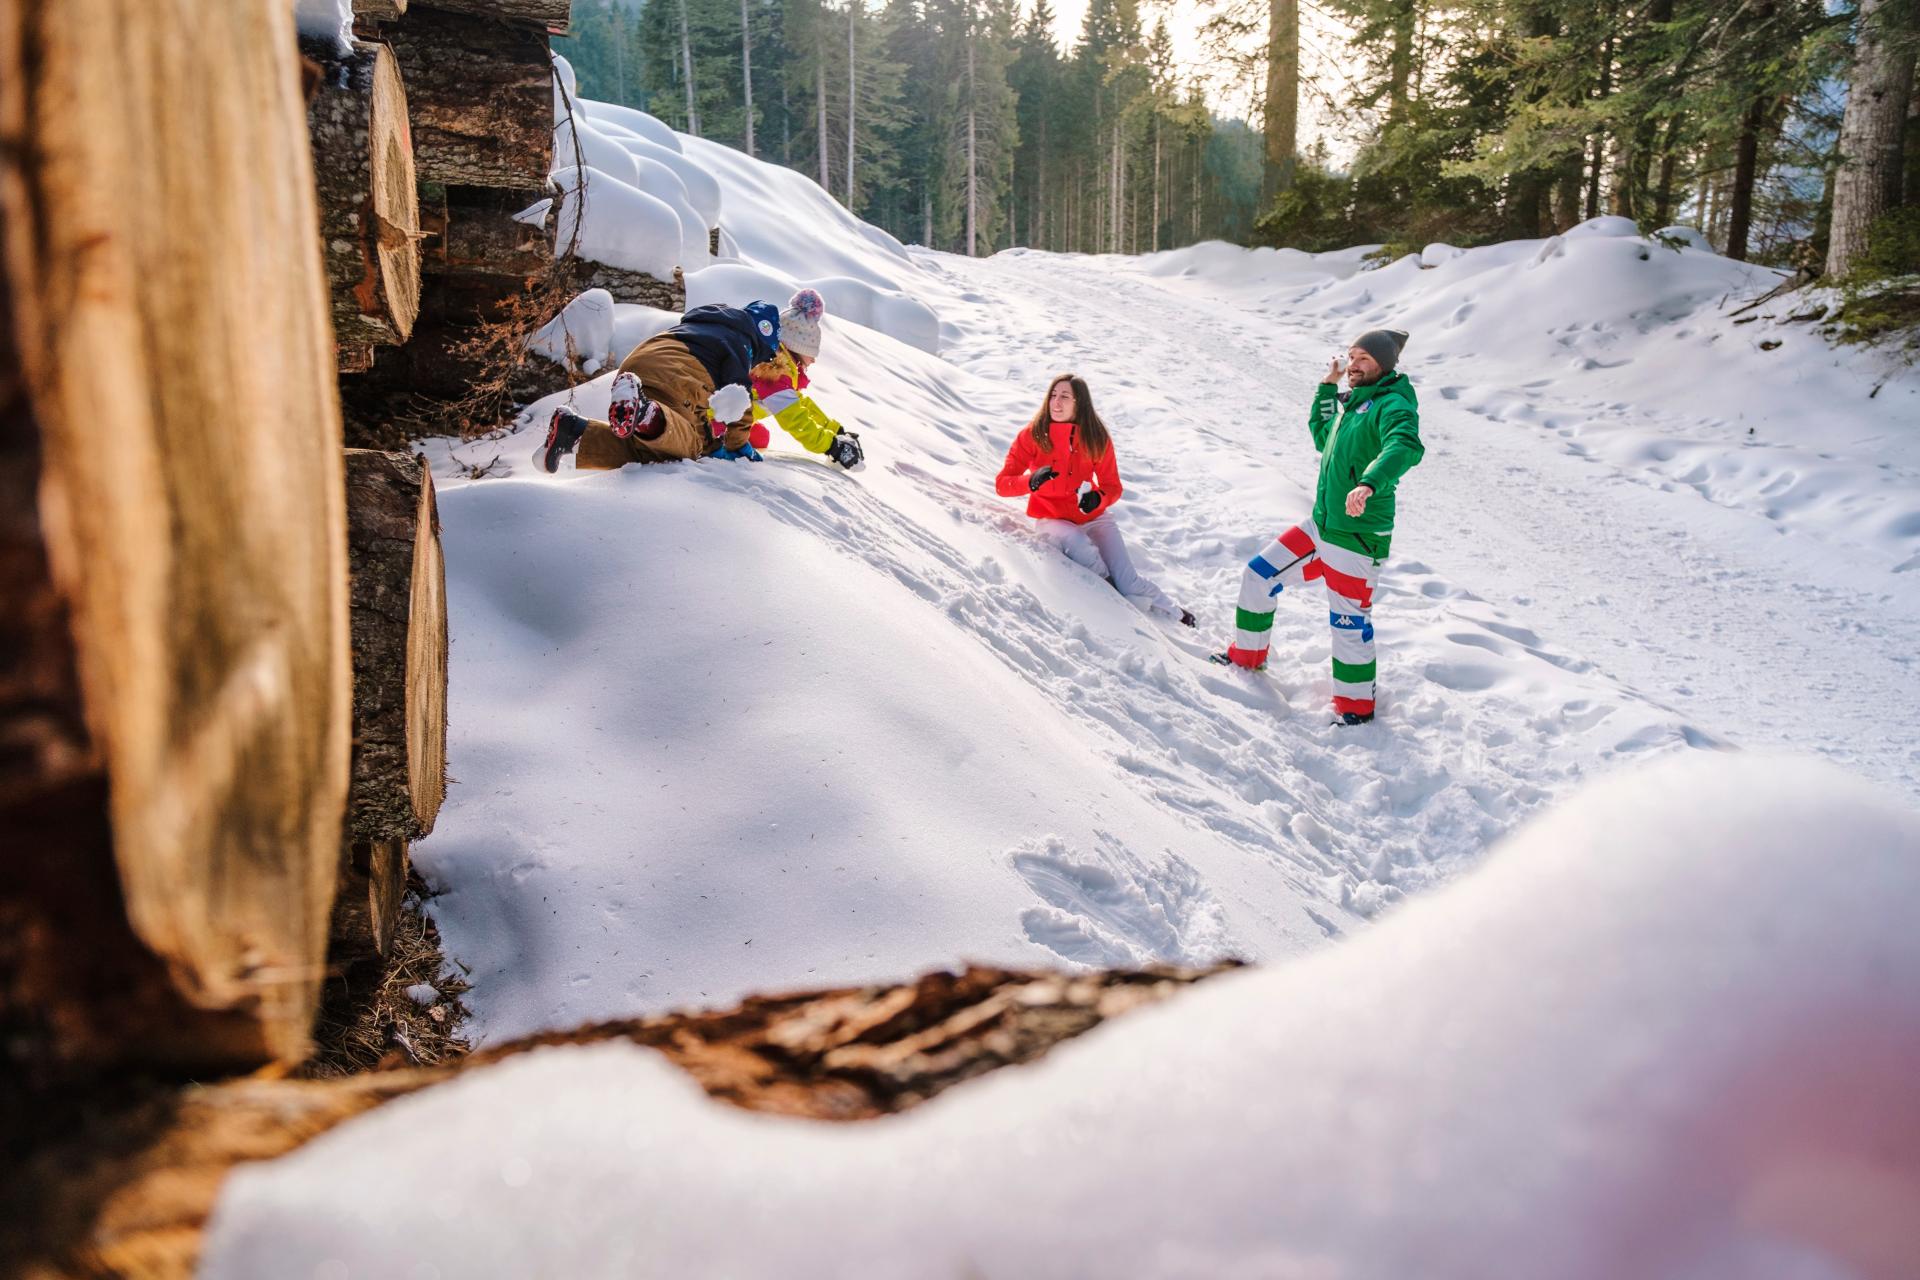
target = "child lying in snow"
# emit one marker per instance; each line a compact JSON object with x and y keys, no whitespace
{"x":686,"y":393}
{"x":1063,"y":460}
{"x":780,"y":389}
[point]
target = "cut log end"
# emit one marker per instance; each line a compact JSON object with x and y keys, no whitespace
{"x":397,"y":591}
{"x":369,"y":205}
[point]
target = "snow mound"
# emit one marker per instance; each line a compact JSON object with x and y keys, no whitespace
{"x":1667,"y":1030}
{"x":784,"y":232}
{"x":618,"y":224}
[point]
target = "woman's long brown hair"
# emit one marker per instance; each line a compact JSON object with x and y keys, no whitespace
{"x":1087,"y":427}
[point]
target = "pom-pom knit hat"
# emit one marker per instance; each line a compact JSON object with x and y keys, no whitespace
{"x":800,"y":323}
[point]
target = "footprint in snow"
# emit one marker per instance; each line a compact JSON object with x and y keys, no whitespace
{"x":1110,"y":908}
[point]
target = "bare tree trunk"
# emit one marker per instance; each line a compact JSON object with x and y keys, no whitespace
{"x":1400,"y":64}
{"x":853,"y":96}
{"x":1600,"y":135}
{"x":1746,"y":165}
{"x":1871,"y":135}
{"x":1156,"y":183}
{"x":620,"y":66}
{"x":1282,"y":118}
{"x":973,"y":153}
{"x":820,"y":101}
{"x":686,"y":71}
{"x":746,"y":69}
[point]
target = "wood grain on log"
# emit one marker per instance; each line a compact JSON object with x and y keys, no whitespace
{"x":373,"y":880}
{"x":480,"y":97}
{"x":369,"y":201}
{"x":379,"y":10}
{"x":158,"y":233}
{"x":138,"y":1190}
{"x":399,"y":605}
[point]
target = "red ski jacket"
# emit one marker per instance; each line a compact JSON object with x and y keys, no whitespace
{"x":1058,"y":498}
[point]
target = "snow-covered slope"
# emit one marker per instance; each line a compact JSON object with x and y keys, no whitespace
{"x":1669,"y":1031}
{"x":725,"y":727}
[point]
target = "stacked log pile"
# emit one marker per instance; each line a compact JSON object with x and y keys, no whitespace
{"x":480,"y":100}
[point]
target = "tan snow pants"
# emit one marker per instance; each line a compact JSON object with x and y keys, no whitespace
{"x":672,"y":378}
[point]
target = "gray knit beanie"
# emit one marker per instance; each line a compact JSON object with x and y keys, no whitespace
{"x":1384,"y":345}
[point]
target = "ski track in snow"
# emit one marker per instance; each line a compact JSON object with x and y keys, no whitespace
{"x":1549,"y":611}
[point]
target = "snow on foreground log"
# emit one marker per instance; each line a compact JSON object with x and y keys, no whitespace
{"x":1668,"y":1030}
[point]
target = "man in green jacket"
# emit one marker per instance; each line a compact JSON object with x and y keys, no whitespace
{"x":1368,"y":438}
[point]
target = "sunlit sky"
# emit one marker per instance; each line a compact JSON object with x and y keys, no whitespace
{"x":1228,"y":94}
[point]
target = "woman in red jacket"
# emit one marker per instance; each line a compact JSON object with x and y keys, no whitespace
{"x":1063,"y":461}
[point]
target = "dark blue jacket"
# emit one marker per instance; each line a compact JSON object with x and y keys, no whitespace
{"x":728,"y":341}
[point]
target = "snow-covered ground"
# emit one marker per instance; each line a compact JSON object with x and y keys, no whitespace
{"x":721,"y":727}
{"x":1668,"y":1032}
{"x":724,"y":728}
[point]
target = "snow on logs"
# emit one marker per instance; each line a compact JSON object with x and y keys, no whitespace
{"x":177,"y":583}
{"x":398,"y":598}
{"x":369,"y":205}
{"x":480,"y":94}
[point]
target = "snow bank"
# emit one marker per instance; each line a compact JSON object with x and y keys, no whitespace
{"x":1669,"y":1030}
{"x":1642,"y":338}
{"x":784,"y":232}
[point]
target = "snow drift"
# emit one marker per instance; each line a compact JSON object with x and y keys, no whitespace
{"x":1668,"y":1030}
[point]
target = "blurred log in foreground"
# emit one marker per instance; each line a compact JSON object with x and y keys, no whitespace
{"x":128,"y":1195}
{"x":174,"y":693}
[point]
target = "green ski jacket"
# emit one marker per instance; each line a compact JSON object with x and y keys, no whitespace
{"x":1374,"y":439}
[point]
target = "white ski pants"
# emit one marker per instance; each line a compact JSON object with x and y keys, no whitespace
{"x":1097,"y":545}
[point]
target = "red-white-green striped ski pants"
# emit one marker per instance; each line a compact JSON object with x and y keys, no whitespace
{"x":1294,"y":559}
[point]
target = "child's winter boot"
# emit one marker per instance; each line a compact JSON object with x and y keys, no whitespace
{"x":564,"y":430}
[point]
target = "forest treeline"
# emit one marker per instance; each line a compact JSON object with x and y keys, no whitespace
{"x":960,"y":124}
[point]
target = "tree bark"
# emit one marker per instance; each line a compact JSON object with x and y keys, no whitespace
{"x":746,"y":68}
{"x":379,"y":10}
{"x":820,"y":99}
{"x":1872,"y":133}
{"x":397,"y":590}
{"x":369,"y":203}
{"x":1400,"y":60}
{"x":853,"y":98}
{"x":686,"y":70}
{"x":480,"y":98}
{"x":1282,"y":116}
{"x":1746,"y":165}
{"x":973,"y":161}
{"x":162,"y":273}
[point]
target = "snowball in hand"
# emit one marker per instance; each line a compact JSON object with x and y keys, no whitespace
{"x":729,"y":403}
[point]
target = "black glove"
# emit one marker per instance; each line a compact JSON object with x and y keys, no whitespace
{"x":845,"y":449}
{"x":1089,"y":500}
{"x":1039,"y":478}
